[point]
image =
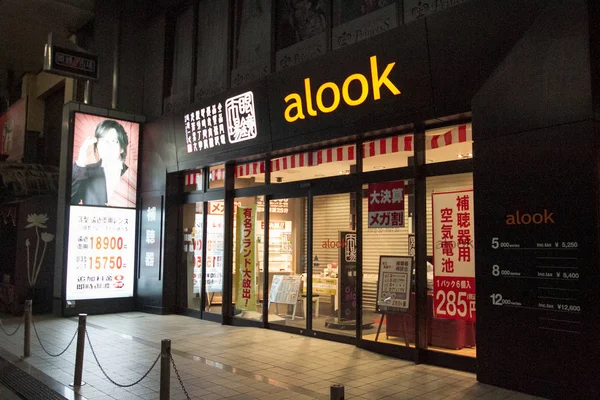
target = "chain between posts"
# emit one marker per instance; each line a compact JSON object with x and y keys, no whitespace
{"x":187,"y":396}
{"x":43,"y":348}
{"x":107,"y":377}
{"x":16,"y":330}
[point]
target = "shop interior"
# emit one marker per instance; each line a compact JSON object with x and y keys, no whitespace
{"x":333,"y":216}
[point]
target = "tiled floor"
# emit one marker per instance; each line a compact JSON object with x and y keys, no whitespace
{"x":217,"y":362}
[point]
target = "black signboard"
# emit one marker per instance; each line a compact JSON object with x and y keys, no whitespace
{"x":347,"y":277}
{"x":71,"y":63}
{"x":537,"y":262}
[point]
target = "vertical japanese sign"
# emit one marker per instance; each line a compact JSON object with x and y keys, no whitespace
{"x":453,"y":255}
{"x":246,"y":254}
{"x":386,"y":205}
{"x":151,"y":230}
{"x":347,"y":279}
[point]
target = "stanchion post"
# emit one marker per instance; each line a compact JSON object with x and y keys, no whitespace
{"x":336,"y":392}
{"x":27,"y":322}
{"x":79,"y":354}
{"x":165,"y":369}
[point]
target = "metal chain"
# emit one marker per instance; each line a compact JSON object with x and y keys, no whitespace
{"x":187,"y":396}
{"x":43,"y":348}
{"x":10,"y":334}
{"x":107,"y":377}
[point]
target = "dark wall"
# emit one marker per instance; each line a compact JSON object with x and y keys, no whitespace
{"x":537,"y":155}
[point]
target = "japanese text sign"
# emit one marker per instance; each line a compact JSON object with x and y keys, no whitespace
{"x":386,"y":205}
{"x":246,"y":255}
{"x":393,"y":289}
{"x":454,"y":255}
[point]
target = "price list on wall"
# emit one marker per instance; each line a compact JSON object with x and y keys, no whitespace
{"x":539,"y":275}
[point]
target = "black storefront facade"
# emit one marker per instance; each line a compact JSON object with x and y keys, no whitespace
{"x":523,"y":75}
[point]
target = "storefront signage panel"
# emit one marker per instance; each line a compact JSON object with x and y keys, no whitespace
{"x":380,"y":76}
{"x":347,"y":279}
{"x":386,"y":205}
{"x":214,"y":253}
{"x":453,"y":255}
{"x":246,"y":258}
{"x":101,"y":260}
{"x":393,"y":289}
{"x":537,"y":262}
{"x":151,"y":234}
{"x":227,"y":122}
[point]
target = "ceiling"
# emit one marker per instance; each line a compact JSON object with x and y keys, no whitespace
{"x":24,"y":28}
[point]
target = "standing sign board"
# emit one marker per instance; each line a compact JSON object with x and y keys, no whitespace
{"x":102,"y":214}
{"x":393,"y":288}
{"x":347,"y":278}
{"x":386,"y":205}
{"x":453,"y":255}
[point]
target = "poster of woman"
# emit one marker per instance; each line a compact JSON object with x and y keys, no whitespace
{"x":105,"y":161}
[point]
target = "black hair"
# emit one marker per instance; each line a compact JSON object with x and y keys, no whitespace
{"x":105,"y":126}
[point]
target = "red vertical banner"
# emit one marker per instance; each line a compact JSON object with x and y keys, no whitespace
{"x":453,"y":255}
{"x":386,"y":205}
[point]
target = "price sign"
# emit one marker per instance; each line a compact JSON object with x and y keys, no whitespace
{"x":100,"y":264}
{"x":454,"y":255}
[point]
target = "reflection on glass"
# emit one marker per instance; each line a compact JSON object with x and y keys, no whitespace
{"x":334,"y":264}
{"x":215,"y":239}
{"x":247,"y":258}
{"x":287,"y":260}
{"x":451,"y":255}
{"x":192,"y":248}
{"x":388,"y":271}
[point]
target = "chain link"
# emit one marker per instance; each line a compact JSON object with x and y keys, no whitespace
{"x":43,"y":348}
{"x":10,"y":334}
{"x":107,"y":377}
{"x":187,"y":396}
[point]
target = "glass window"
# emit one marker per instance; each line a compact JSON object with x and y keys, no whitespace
{"x":247,"y":258}
{"x":252,"y":41}
{"x":193,"y":227}
{"x":250,"y":174}
{"x":334,"y":264}
{"x":388,"y":263}
{"x":216,"y":179}
{"x":287,"y":260}
{"x":192,"y":181}
{"x":314,"y":165}
{"x":215,"y":240}
{"x":451,"y":256}
{"x":354,"y":21}
{"x":449,"y":144}
{"x":392,"y":152}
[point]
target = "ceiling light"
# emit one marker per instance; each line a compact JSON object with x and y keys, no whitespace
{"x":379,"y":167}
{"x":344,"y":172}
{"x":470,"y":155}
{"x":319,"y":176}
{"x":460,"y":156}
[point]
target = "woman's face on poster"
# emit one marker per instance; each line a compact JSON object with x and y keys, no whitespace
{"x":109,"y":148}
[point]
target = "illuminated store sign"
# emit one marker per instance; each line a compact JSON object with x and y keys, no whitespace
{"x":217,"y":125}
{"x":297,"y":107}
{"x":102,"y":215}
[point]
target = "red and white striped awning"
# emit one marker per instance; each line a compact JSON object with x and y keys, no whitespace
{"x":195,"y":178}
{"x":456,"y":134}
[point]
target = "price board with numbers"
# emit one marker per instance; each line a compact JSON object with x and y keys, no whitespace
{"x":393,"y":287}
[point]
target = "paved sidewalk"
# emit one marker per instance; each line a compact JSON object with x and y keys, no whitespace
{"x":217,"y":362}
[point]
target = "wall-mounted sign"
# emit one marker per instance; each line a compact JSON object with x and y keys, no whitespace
{"x":71,"y":63}
{"x":102,"y":215}
{"x":453,"y":255}
{"x":218,"y":125}
{"x":386,"y":205}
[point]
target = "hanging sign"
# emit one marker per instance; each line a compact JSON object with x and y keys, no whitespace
{"x":70,"y":63}
{"x":246,"y":256}
{"x":386,"y":205}
{"x":393,"y":288}
{"x":453,"y":255}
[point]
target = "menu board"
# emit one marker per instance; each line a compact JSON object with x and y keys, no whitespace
{"x":101,"y":255}
{"x":393,"y":288}
{"x":284,"y":289}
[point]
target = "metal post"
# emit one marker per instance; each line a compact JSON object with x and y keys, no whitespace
{"x":80,"y":349}
{"x":336,"y":392}
{"x":165,"y":369}
{"x":27,"y":322}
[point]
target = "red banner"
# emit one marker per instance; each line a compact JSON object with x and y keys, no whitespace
{"x":386,"y":205}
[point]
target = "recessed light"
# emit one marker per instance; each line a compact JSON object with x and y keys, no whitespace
{"x":460,"y":156}
{"x":379,"y":167}
{"x":470,"y":155}
{"x":319,"y":176}
{"x":344,"y":172}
